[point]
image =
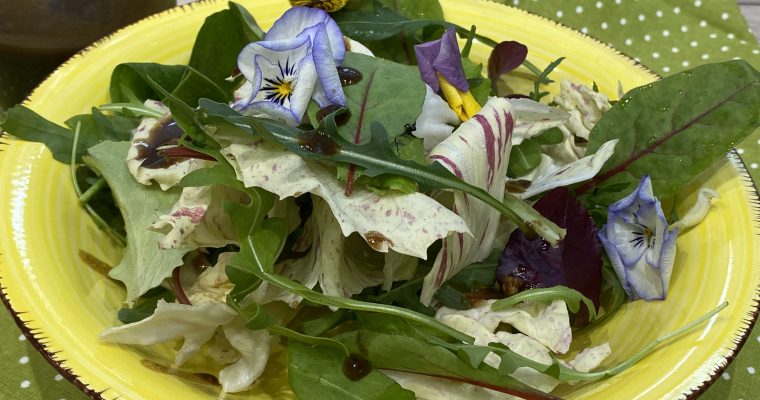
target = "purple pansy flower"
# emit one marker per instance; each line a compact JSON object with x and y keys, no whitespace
{"x":294,"y":63}
{"x":640,"y":244}
{"x":441,"y":56}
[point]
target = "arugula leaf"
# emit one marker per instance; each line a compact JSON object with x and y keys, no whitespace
{"x":315,"y":373}
{"x":524,"y":158}
{"x":404,"y":353}
{"x":675,"y":128}
{"x":144,"y":265}
{"x":376,"y":158}
{"x":571,"y":297}
{"x":97,"y":127}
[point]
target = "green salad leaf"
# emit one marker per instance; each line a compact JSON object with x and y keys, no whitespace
{"x":315,"y":373}
{"x":144,"y":265}
{"x":674,"y":129}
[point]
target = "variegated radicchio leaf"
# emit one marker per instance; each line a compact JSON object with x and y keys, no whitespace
{"x":576,"y":262}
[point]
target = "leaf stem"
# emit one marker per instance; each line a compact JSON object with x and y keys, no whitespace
{"x":468,"y":44}
{"x":92,"y":190}
{"x":120,"y":239}
{"x":136,"y":108}
{"x":308,"y":339}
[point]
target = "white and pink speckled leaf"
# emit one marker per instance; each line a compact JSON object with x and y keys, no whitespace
{"x":478,"y":153}
{"x":408,"y":223}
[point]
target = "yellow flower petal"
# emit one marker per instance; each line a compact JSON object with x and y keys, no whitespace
{"x":327,"y":5}
{"x":462,"y":103}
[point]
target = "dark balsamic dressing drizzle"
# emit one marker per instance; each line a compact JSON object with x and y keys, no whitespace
{"x":165,"y":133}
{"x":349,"y":76}
{"x":356,"y":367}
{"x":317,"y":141}
{"x":340,"y":119}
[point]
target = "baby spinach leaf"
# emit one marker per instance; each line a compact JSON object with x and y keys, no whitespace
{"x":675,"y":128}
{"x":524,"y":158}
{"x":129,"y":81}
{"x":389,"y":93}
{"x":145,"y":305}
{"x":315,"y":373}
{"x":251,"y":29}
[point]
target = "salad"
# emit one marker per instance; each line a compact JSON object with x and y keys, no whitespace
{"x":351,"y":186}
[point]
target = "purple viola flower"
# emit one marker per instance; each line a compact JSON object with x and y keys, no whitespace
{"x":296,"y":61}
{"x":640,"y":244}
{"x":441,"y":57}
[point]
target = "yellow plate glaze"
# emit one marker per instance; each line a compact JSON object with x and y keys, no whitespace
{"x":66,"y":304}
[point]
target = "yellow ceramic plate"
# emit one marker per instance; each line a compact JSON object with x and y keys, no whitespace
{"x":66,"y":304}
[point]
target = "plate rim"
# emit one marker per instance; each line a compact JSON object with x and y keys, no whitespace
{"x":748,"y":183}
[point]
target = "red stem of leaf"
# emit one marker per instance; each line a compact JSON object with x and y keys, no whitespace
{"x":623,"y":166}
{"x":179,"y":293}
{"x":350,"y":178}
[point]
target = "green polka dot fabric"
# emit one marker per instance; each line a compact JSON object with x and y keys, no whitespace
{"x":664,"y":35}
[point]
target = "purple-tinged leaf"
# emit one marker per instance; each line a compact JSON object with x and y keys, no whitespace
{"x":576,"y":262}
{"x":505,"y":57}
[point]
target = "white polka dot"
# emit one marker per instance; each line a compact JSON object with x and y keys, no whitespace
{"x":697,"y":3}
{"x":705,"y":56}
{"x":584,"y":30}
{"x":639,"y":60}
{"x":703,"y":23}
{"x":628,"y":42}
{"x":604,"y":25}
{"x":693,"y":43}
{"x":677,"y":10}
{"x":656,"y":55}
{"x":21,"y":338}
{"x":743,"y":41}
{"x":724,"y":48}
{"x":755,"y":51}
{"x":740,"y":151}
{"x":713,"y":35}
{"x":579,"y":9}
{"x":685,"y":63}
{"x":516,"y":2}
{"x":753,"y":165}
{"x":666,"y":69}
{"x":58,"y":378}
{"x":623,"y":21}
{"x":559,"y":14}
{"x":674,"y":49}
{"x":736,"y":58}
{"x":23,"y":360}
{"x":725,"y":376}
{"x":599,"y":4}
{"x":618,"y":1}
{"x":25,"y":384}
{"x":666,"y":33}
{"x":642,"y":17}
{"x":758,"y":338}
{"x":658,"y":13}
{"x":684,"y":28}
{"x":647,"y":37}
{"x":724,"y":16}
{"x":751,"y":370}
{"x":731,"y":36}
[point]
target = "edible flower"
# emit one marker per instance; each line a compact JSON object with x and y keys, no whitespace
{"x":640,"y":244}
{"x":440,"y":65}
{"x":327,"y":5}
{"x":296,"y":61}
